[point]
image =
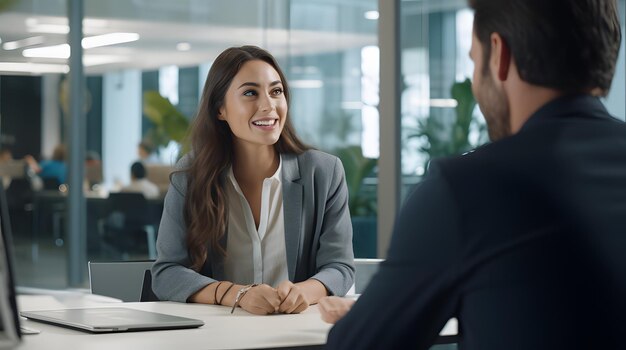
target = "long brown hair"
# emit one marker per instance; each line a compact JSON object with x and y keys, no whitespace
{"x":212,"y":154}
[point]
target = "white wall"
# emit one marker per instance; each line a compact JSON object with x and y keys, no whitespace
{"x":50,"y":114}
{"x":121,"y":120}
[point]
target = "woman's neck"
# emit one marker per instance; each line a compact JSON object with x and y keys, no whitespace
{"x":253,"y":164}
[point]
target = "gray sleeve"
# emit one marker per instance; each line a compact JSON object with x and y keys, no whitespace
{"x":171,"y":278}
{"x":335,"y":257}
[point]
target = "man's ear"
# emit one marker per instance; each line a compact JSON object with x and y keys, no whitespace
{"x":500,"y":56}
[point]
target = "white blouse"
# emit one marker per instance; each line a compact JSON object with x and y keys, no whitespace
{"x":256,"y":256}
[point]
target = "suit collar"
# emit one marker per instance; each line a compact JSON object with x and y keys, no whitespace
{"x":292,"y":210}
{"x":291,"y":169}
{"x":580,"y":105}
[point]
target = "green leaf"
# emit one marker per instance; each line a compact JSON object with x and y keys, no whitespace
{"x":169,"y":123}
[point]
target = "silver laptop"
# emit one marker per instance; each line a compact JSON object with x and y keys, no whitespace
{"x":113,"y":319}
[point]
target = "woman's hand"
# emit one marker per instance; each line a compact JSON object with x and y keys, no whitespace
{"x":260,"y":300}
{"x":332,"y":309}
{"x":293,"y":300}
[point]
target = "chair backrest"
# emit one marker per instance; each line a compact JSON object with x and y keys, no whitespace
{"x":19,"y":193}
{"x":120,"y":279}
{"x":146,"y":290}
{"x":51,"y":183}
{"x":132,"y":205}
{"x":365,"y":270}
{"x":159,"y":175}
{"x":15,"y":169}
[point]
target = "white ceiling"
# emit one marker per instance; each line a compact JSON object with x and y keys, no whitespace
{"x":215,"y":26}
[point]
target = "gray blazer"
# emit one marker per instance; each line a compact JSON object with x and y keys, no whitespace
{"x":318,"y":230}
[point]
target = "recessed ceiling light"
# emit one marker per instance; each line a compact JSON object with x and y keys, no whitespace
{"x":33,"y":68}
{"x":18,"y":44}
{"x":109,"y":39}
{"x":63,"y":50}
{"x":95,"y":60}
{"x":372,"y":15}
{"x":184,"y":46}
{"x":306,"y":84}
{"x":55,"y":51}
{"x":33,"y":26}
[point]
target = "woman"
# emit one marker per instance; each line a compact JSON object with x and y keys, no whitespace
{"x":255,"y":218}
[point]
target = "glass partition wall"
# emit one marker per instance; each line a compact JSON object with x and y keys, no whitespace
{"x":145,"y":63}
{"x":436,"y":88}
{"x":142,"y":58}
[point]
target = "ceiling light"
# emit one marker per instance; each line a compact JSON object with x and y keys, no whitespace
{"x":95,"y":60}
{"x":306,"y":84}
{"x":109,"y":39}
{"x":18,"y":44}
{"x":93,"y":22}
{"x":33,"y":68}
{"x":184,"y":46}
{"x":63,"y":50}
{"x":443,"y":102}
{"x":372,"y":15}
{"x":55,"y":51}
{"x":33,"y":26}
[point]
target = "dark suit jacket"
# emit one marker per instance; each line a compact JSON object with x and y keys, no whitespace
{"x":523,"y":240}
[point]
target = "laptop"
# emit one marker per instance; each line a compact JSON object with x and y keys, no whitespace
{"x":111,"y":319}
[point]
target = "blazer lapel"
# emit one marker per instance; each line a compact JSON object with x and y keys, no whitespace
{"x":292,"y":210}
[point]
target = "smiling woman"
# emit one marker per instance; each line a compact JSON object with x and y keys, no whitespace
{"x":254,"y":218}
{"x":255,"y":106}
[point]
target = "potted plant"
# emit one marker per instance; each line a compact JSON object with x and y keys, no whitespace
{"x":447,"y":139}
{"x":169,"y":123}
{"x":362,"y":202}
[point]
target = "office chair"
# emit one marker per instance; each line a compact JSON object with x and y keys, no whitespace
{"x":20,"y":197}
{"x":146,"y":289}
{"x":51,"y":183}
{"x":129,"y":281}
{"x":365,"y":269}
{"x":129,"y":226}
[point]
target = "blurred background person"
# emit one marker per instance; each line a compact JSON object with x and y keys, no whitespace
{"x":147,"y":154}
{"x":6,"y":156}
{"x":139,"y":183}
{"x":53,"y":172}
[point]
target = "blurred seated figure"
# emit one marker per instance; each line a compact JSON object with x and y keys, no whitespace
{"x":93,"y":170}
{"x":52,"y":172}
{"x":159,"y":174}
{"x":139,"y":183}
{"x":5,"y":154}
{"x":6,"y":157}
{"x":146,"y":153}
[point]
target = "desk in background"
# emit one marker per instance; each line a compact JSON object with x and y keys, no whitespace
{"x":49,"y":211}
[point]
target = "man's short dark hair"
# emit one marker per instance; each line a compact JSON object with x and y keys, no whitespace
{"x":138,"y":170}
{"x":569,"y":45}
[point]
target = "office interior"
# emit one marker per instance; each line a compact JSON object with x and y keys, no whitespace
{"x":145,"y":59}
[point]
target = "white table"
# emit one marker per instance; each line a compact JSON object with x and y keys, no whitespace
{"x":221,"y":330}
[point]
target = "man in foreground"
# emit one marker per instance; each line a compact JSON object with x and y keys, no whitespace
{"x":524,"y":239}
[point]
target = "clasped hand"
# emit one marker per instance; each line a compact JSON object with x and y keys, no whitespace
{"x":287,"y":298}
